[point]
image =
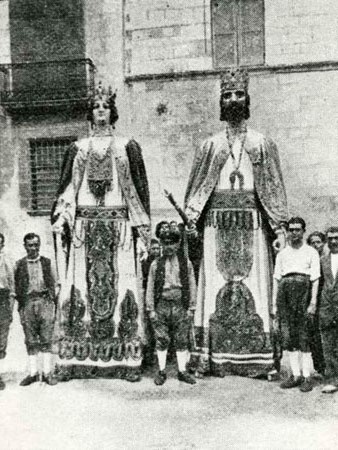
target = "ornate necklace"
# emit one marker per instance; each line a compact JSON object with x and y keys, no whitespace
{"x":243,"y":130}
{"x":99,"y":170}
{"x":236,"y":164}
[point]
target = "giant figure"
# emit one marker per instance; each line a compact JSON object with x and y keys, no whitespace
{"x":100,"y":218}
{"x":234,"y":200}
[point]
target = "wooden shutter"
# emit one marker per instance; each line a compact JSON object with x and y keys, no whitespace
{"x":224,"y":24}
{"x":251,"y":32}
{"x":238,"y":32}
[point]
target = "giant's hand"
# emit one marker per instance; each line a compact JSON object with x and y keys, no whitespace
{"x":281,"y":238}
{"x":57,"y":227}
{"x":145,"y":235}
{"x":191,"y":229}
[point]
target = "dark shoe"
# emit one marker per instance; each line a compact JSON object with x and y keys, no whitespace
{"x":2,"y":384}
{"x":306,"y":386}
{"x":29,"y":380}
{"x":132,"y":377}
{"x":186,"y":377}
{"x":160,"y":378}
{"x":291,"y":382}
{"x":49,"y":379}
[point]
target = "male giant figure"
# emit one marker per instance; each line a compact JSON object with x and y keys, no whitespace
{"x":102,"y":210}
{"x":235,"y":198}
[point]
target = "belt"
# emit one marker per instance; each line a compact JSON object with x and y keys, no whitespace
{"x":233,"y":200}
{"x":101,"y":212}
{"x":38,"y":294}
{"x":295,"y":274}
{"x":172,"y":295}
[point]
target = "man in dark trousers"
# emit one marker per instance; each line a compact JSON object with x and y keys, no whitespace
{"x":35,"y":293}
{"x":296,"y":278}
{"x":6,"y":302}
{"x":170,"y":302}
{"x":328,"y":312}
{"x":317,"y":240}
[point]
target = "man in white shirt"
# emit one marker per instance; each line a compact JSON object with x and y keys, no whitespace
{"x":6,"y":302}
{"x":328,"y":312}
{"x":296,"y":278}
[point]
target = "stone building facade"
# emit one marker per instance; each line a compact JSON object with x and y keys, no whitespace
{"x":165,"y":58}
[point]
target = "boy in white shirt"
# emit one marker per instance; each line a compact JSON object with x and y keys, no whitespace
{"x":296,"y":278}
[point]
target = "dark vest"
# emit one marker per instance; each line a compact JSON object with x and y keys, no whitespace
{"x":160,"y":279}
{"x":21,"y":278}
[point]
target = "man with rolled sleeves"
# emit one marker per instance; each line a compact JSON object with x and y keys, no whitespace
{"x":6,"y":302}
{"x":170,"y":302}
{"x":295,"y":291}
{"x":35,"y":293}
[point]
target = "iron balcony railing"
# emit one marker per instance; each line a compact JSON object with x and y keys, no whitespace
{"x":46,"y":84}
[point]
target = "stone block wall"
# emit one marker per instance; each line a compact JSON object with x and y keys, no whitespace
{"x":5,"y":52}
{"x":177,"y":115}
{"x":300,"y":31}
{"x":167,"y":36}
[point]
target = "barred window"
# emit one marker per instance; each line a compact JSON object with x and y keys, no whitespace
{"x":238,"y":32}
{"x":46,"y":156}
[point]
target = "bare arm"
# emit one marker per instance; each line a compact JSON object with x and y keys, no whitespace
{"x":314,"y":296}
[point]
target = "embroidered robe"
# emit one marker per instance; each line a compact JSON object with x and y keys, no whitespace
{"x":236,"y":218}
{"x":101,"y":309}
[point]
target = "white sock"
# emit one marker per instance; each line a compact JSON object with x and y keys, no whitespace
{"x":307,"y":364}
{"x":187,"y":356}
{"x":294,"y":363}
{"x":181,"y":360}
{"x":2,"y":364}
{"x":33,"y":364}
{"x":46,"y":362}
{"x":162,"y":359}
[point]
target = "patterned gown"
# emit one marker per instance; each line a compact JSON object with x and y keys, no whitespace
{"x":103,"y":200}
{"x":236,"y":208}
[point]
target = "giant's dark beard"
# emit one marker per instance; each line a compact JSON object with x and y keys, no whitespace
{"x":234,"y":112}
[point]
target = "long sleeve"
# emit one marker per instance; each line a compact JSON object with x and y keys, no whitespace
{"x":65,"y":208}
{"x":269,"y":183}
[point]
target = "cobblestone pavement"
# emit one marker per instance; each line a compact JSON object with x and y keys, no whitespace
{"x":232,"y":412}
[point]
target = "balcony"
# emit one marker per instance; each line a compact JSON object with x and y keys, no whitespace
{"x":45,"y":86}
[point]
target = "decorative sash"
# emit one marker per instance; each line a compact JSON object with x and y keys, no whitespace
{"x":102,"y":212}
{"x":231,"y":213}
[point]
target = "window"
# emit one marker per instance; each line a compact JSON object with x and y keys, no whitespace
{"x":46,"y":156}
{"x":238,"y":32}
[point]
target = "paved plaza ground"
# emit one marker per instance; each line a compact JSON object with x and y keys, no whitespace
{"x":216,"y":413}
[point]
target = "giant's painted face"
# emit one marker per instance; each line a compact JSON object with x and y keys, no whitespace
{"x":233,"y":105}
{"x":101,"y":112}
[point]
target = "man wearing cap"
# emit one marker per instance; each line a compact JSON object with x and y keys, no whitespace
{"x":234,"y":201}
{"x":170,"y":302}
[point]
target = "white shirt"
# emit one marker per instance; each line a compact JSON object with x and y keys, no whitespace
{"x":298,"y":260}
{"x":6,"y":272}
{"x":334,"y":264}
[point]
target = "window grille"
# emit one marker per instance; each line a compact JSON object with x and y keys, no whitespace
{"x":238,"y":32}
{"x":46,"y":156}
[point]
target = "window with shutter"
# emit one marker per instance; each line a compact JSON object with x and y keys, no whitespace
{"x":46,"y":156}
{"x":238,"y":32}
